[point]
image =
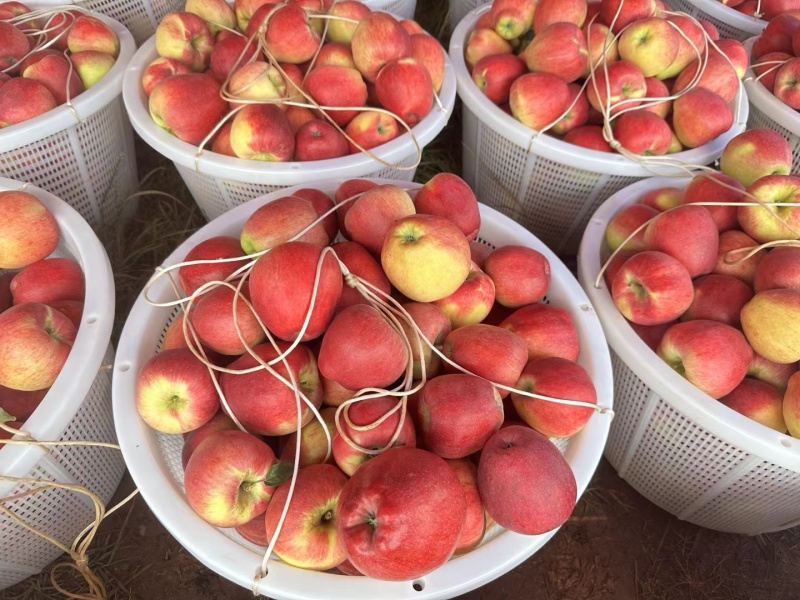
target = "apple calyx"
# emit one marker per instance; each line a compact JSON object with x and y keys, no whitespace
{"x":279,"y":473}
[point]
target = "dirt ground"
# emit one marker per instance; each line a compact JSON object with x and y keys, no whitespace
{"x":616,"y":546}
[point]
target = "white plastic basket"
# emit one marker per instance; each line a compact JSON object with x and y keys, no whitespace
{"x":77,"y":407}
{"x":677,"y":446}
{"x":728,"y":21}
{"x":154,"y":459}
{"x":460,"y":8}
{"x":88,"y":162}
{"x":767,"y":111}
{"x":548,"y":185}
{"x":218,"y":182}
{"x":400,"y":8}
{"x":141,"y":17}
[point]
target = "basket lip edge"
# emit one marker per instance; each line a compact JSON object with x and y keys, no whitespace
{"x":761,"y":97}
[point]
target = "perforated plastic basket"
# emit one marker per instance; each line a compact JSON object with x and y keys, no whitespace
{"x":85,"y":157}
{"x":154,"y":459}
{"x":728,"y":21}
{"x":767,"y":111}
{"x":678,"y":447}
{"x":548,"y":185}
{"x":460,"y":8}
{"x":400,"y":8}
{"x":218,"y":182}
{"x":77,"y":407}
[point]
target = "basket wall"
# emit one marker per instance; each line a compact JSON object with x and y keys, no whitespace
{"x":459,"y":9}
{"x":400,"y":8}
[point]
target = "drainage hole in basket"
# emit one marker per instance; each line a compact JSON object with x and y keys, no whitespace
{"x":418,"y":585}
{"x":123,"y":368}
{"x":786,"y":442}
{"x":91,"y":320}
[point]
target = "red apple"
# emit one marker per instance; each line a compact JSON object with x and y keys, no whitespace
{"x":404,"y":87}
{"x":378,"y":40}
{"x":511,"y":18}
{"x":538,"y":99}
{"x":483,"y":42}
{"x":24,"y":213}
{"x":290,"y":35}
{"x":687,"y":233}
{"x":372,"y":216}
{"x":313,"y":441}
{"x":521,"y":275}
{"x":548,"y":12}
{"x":449,"y":196}
{"x":643,"y":132}
{"x":662,"y":198}
{"x":49,"y":280}
{"x":262,"y":132}
{"x":717,"y":75}
{"x":718,"y":298}
{"x":219,"y":422}
{"x":759,"y":222}
{"x":780,"y":268}
{"x":280,"y":221}
{"x":733,"y":247}
{"x":651,"y":44}
{"x":428,"y":51}
{"x":475,"y":523}
{"x":559,"y":49}
{"x":547,"y":330}
{"x":434,"y":325}
{"x":185,"y":37}
{"x":213,"y":320}
{"x":471,"y":302}
{"x":24,"y":99}
{"x":187,"y":106}
{"x":19,"y":404}
{"x":773,"y":373}
{"x":699,"y":116}
{"x":759,"y":401}
{"x":625,"y":222}
{"x":339,"y":87}
{"x":621,"y":85}
{"x":360,"y":263}
{"x":588,"y":136}
{"x":214,"y":250}
{"x":370,"y":129}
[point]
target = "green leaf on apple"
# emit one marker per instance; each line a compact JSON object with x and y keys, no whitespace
{"x":278,"y":473}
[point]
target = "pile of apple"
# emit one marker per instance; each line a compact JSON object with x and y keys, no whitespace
{"x":774,"y":58}
{"x":45,"y":61}
{"x":365,"y":60}
{"x":533,"y":59}
{"x":41,"y":303}
{"x":466,"y":453}
{"x":726,"y":321}
{"x":766,"y":10}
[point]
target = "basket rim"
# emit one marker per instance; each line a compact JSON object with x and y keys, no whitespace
{"x":68,"y":392}
{"x":563,"y":152}
{"x":274,"y":173}
{"x":765,"y":100}
{"x":729,"y":16}
{"x":710,"y":414}
{"x":85,"y":104}
{"x":144,"y":459}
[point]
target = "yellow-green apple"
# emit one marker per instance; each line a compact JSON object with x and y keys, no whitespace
{"x":546,"y":330}
{"x":458,"y":413}
{"x":89,"y":33}
{"x":341,"y":30}
{"x":716,"y":187}
{"x":538,"y":99}
{"x":578,"y":112}
{"x":759,"y":401}
{"x":361,"y":263}
{"x":262,"y":402}
{"x":372,"y":216}
{"x":426,"y":257}
{"x":360,"y":349}
{"x":24,"y":213}
{"x":511,"y":18}
{"x":688,"y":234}
{"x":484,"y":42}
{"x":617,"y":14}
{"x":308,"y":538}
{"x":313,"y":441}
{"x":495,"y":74}
{"x":434,"y":325}
{"x":475,"y":523}
{"x":158,"y":70}
{"x":175,"y":392}
{"x":487,"y":351}
{"x":378,"y":40}
{"x":771,"y":372}
{"x":322,"y":204}
{"x":230,"y":478}
{"x":281,"y":285}
{"x":662,"y":198}
{"x":717,"y":74}
{"x":767,"y":68}
{"x":652,"y":288}
{"x":735,"y":51}
{"x":19,"y":404}
{"x":651,"y":44}
{"x":362,"y":414}
{"x":405,"y":88}
{"x":428,"y":52}
{"x":185,"y":37}
{"x":471,"y":302}
{"x":588,"y":136}
{"x":245,"y":10}
{"x":760,"y":222}
{"x":521,"y":275}
{"x":277,"y":222}
{"x":755,"y":153}
{"x":370,"y":129}
{"x":718,"y":298}
{"x":319,"y":140}
{"x":262,"y":132}
{"x":791,"y":405}
{"x":651,"y":334}
{"x":711,"y":355}
{"x":229,"y":53}
{"x":56,"y":74}
{"x":191,"y":277}
{"x":771,"y":323}
{"x":256,"y":81}
{"x":558,"y":378}
{"x":337,"y":87}
{"x":625,"y":222}
{"x":598,"y":39}
{"x":780,"y":268}
{"x":254,"y":531}
{"x":413,"y":519}
{"x":213,"y":320}
{"x":335,"y":54}
{"x":734,"y":245}
{"x":23,"y":99}
{"x":690,"y":49}
{"x":525,"y":483}
{"x":549,"y":12}
{"x":621,"y":85}
{"x":345,"y":195}
{"x":49,"y":280}
{"x":335,"y":394}
{"x":643,"y":132}
{"x":191,"y":440}
{"x":657,"y":89}
{"x":187,"y":106}
{"x":559,"y":49}
{"x":699,"y":116}
{"x":449,"y":196}
{"x":217,"y":14}
{"x":36,"y":56}
{"x":290,"y":36}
